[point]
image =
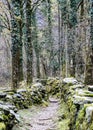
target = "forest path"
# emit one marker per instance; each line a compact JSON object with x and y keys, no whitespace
{"x":40,"y":118}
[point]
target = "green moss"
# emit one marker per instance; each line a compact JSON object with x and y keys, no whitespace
{"x":2,"y":126}
{"x":64,"y":125}
{"x":88,"y":94}
{"x":91,"y":126}
{"x":64,"y":120}
{"x":70,"y":84}
{"x":81,"y":122}
{"x":80,"y":119}
{"x":5,"y":117}
{"x":83,"y":126}
{"x":81,"y":115}
{"x":45,"y":104}
{"x":52,"y":86}
{"x":87,"y":105}
{"x":11,"y":93}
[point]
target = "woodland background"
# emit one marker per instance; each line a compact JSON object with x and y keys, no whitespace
{"x":45,"y":38}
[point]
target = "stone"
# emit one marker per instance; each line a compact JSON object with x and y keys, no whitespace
{"x":78,"y":86}
{"x":52,"y":85}
{"x":8,"y":110}
{"x":7,"y":106}
{"x":89,"y":113}
{"x":9,"y":97}
{"x":37,"y":85}
{"x":12,"y":107}
{"x":18,"y":96}
{"x":84,"y":93}
{"x":21,"y":91}
{"x":17,"y":117}
{"x":4,"y":107}
{"x":70,"y":81}
{"x":81,"y":100}
{"x":80,"y":92}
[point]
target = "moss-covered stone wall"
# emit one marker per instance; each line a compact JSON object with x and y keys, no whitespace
{"x":79,"y":100}
{"x":76,"y":106}
{"x":11,"y":102}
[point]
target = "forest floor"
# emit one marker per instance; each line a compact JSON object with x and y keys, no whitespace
{"x":39,"y":117}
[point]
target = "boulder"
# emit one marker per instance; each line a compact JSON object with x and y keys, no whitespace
{"x":89,"y":114}
{"x":81,"y":100}
{"x":71,"y":81}
{"x":53,"y":85}
{"x":38,"y":93}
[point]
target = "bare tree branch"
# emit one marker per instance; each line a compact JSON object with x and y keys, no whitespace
{"x":36,"y":4}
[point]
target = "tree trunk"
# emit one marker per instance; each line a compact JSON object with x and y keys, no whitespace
{"x":66,"y":49}
{"x":89,"y":64}
{"x":16,"y":37}
{"x":35,"y":43}
{"x":59,"y":36}
{"x":60,"y":40}
{"x":50,"y":40}
{"x":28,"y":45}
{"x":21,"y":46}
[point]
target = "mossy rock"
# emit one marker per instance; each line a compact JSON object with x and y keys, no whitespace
{"x":43,"y":81}
{"x":2,"y":126}
{"x":71,"y":81}
{"x":64,"y":124}
{"x":64,"y":114}
{"x":81,"y":122}
{"x":52,"y":86}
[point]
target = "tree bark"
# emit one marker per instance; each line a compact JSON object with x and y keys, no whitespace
{"x":89,"y":64}
{"x":16,"y":37}
{"x":28,"y":45}
{"x":50,"y":40}
{"x":35,"y":43}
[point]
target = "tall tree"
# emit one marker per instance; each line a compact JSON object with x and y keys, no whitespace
{"x":28,"y":45}
{"x":59,"y":36}
{"x":50,"y":38}
{"x":35,"y":43}
{"x":72,"y":23}
{"x":16,"y":36}
{"x":64,"y":31}
{"x":89,"y":64}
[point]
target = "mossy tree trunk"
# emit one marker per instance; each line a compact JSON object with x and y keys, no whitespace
{"x":89,"y":64}
{"x":60,"y":39}
{"x":64,"y":35}
{"x":16,"y":38}
{"x":72,"y":23}
{"x":21,"y":43}
{"x":35,"y":43}
{"x":28,"y":45}
{"x":50,"y":40}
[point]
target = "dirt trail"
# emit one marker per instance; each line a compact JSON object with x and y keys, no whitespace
{"x":39,"y":118}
